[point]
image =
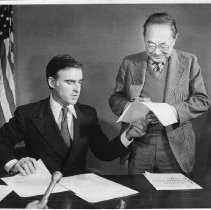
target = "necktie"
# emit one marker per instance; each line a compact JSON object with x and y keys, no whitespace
{"x":64,"y":127}
{"x":157,"y":68}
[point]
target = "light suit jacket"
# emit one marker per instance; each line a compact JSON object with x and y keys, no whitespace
{"x":185,"y":90}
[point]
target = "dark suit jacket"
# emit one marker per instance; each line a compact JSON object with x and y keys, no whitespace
{"x":185,"y":90}
{"x":35,"y":124}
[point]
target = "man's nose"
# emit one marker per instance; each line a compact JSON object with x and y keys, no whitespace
{"x":157,"y":50}
{"x":76,"y":87}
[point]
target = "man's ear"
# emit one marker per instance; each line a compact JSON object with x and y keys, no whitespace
{"x":51,"y":82}
{"x":176,"y":37}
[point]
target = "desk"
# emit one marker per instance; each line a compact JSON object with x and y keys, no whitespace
{"x":147,"y":198}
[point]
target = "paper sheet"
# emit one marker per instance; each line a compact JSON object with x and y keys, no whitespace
{"x":171,"y":181}
{"x":94,"y":188}
{"x":35,"y":184}
{"x":4,"y":191}
{"x":133,"y":112}
{"x":136,"y":110}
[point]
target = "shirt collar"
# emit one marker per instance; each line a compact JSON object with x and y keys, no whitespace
{"x":56,"y":108}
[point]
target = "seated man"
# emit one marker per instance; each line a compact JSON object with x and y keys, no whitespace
{"x":59,"y":130}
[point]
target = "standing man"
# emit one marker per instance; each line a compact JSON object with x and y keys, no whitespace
{"x":58,"y":130}
{"x":162,"y":74}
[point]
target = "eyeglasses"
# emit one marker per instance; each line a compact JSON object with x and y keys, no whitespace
{"x":162,"y":47}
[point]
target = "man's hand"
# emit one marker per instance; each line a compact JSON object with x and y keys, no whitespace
{"x":137,"y":129}
{"x":36,"y":205}
{"x":141,"y":99}
{"x":152,"y":118}
{"x":26,"y":166}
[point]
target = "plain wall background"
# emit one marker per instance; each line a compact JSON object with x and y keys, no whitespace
{"x":100,"y":36}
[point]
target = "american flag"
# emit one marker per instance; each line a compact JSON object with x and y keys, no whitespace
{"x":7,"y":83}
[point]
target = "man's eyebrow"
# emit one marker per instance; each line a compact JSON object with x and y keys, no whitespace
{"x":70,"y":80}
{"x":162,"y":43}
{"x":150,"y":42}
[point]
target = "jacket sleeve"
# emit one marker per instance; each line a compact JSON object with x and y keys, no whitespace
{"x":198,"y":101}
{"x":11,"y":133}
{"x":101,"y":146}
{"x":119,"y":99}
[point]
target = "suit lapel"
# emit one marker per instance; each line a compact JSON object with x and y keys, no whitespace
{"x":175,"y":71}
{"x":76,"y":124}
{"x":48,"y":128}
{"x":138,"y":73}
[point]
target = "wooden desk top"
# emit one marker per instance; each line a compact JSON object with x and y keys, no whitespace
{"x":148,"y":196}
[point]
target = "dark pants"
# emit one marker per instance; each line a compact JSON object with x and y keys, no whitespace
{"x":152,"y":153}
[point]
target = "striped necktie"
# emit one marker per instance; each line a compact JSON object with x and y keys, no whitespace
{"x":64,"y":127}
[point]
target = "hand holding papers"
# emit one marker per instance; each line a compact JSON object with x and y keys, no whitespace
{"x":137,"y":110}
{"x":93,"y":188}
{"x":25,"y":166}
{"x":35,"y":184}
{"x":171,"y":181}
{"x":36,"y":205}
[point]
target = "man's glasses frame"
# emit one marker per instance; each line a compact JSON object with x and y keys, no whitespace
{"x":151,"y":46}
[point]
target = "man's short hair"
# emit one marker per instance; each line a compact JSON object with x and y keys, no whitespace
{"x":59,"y":62}
{"x":161,"y":18}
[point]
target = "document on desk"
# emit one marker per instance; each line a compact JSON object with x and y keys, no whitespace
{"x":171,"y":181}
{"x":35,"y":184}
{"x":4,"y":191}
{"x":93,"y":188}
{"x":137,"y":110}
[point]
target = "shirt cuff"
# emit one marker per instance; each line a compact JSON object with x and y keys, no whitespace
{"x":9,"y":165}
{"x":124,"y":139}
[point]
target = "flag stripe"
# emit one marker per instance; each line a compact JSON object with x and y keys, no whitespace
{"x":4,"y":66}
{"x":2,"y":117}
{"x":7,"y":83}
{"x":10,"y":76}
{"x":11,"y":54}
{"x":11,"y":62}
{"x":4,"y":103}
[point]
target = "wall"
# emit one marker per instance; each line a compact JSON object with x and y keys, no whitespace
{"x":100,"y":36}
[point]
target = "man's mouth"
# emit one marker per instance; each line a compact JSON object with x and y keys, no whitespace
{"x":75,"y":96}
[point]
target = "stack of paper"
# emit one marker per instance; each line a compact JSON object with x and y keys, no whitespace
{"x":35,"y":184}
{"x":171,"y":181}
{"x":137,"y":110}
{"x":4,"y":191}
{"x":89,"y":187}
{"x":93,"y":188}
